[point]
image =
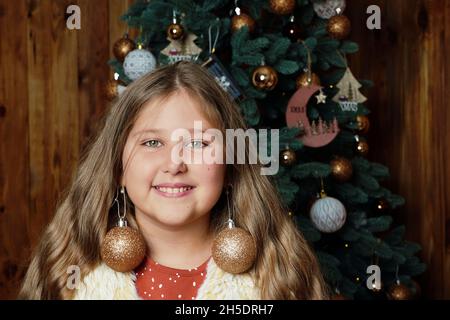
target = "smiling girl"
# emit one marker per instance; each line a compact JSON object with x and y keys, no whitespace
{"x":179,"y":207}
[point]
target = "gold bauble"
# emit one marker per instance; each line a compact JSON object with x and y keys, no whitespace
{"x":234,"y":250}
{"x":382,"y":205}
{"x":338,"y":27}
{"x":282,"y":7}
{"x":111,"y":89}
{"x":175,"y":31}
{"x":341,"y":169}
{"x":304,"y":81}
{"x":288,"y":157}
{"x":122,"y":47}
{"x":265,"y":77}
{"x":242,"y":20}
{"x":123,"y":249}
{"x":362,"y":147}
{"x":363,"y":124}
{"x":399,"y":291}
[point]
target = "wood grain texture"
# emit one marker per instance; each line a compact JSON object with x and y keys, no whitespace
{"x":93,"y":69}
{"x":406,"y":59}
{"x":53,"y":108}
{"x":14,"y":146}
{"x":51,"y":97}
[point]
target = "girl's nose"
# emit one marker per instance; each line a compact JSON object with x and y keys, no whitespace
{"x":174,"y":166}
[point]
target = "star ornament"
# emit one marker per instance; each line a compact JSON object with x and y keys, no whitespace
{"x":321,"y":97}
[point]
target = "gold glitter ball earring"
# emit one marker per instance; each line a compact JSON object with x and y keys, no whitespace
{"x":123,"y":248}
{"x":234,"y":249}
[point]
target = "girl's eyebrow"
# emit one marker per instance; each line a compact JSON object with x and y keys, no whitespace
{"x":146,"y":131}
{"x":161,"y":130}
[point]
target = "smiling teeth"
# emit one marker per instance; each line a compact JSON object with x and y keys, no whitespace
{"x":173,"y":190}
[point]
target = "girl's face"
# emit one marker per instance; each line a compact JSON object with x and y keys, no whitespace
{"x":151,"y":175}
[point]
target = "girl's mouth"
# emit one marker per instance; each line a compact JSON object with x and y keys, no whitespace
{"x":173,"y":192}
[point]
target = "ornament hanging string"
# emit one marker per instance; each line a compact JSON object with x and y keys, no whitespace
{"x":230,"y":214}
{"x":212,"y":46}
{"x":337,"y":285}
{"x":230,"y":222}
{"x":116,"y":200}
{"x":237,"y":10}
{"x":124,"y":203}
{"x":122,"y":217}
{"x":174,"y":16}
{"x":127,"y":21}
{"x":286,"y":146}
{"x":396,"y":275}
{"x":322,"y":190}
{"x":140,"y":39}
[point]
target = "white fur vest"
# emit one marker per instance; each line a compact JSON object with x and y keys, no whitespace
{"x":103,"y":283}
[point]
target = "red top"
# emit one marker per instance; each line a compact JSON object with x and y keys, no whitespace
{"x":157,"y":282}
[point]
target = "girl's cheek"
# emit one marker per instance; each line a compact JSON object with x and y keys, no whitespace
{"x":131,"y":152}
{"x":142,"y":164}
{"x":213,"y":172}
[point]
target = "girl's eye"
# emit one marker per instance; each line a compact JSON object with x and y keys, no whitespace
{"x":152,"y":143}
{"x":197,"y":144}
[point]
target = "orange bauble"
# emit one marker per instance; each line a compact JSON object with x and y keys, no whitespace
{"x":305,"y":80}
{"x":242,"y":20}
{"x":265,"y":77}
{"x":362,"y":147}
{"x":122,"y":47}
{"x":341,"y":169}
{"x":339,"y":27}
{"x":282,"y":7}
{"x":399,"y":291}
{"x":362,"y":121}
{"x":175,"y":31}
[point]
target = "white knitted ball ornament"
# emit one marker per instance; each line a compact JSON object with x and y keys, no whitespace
{"x":138,"y":62}
{"x":328,"y":214}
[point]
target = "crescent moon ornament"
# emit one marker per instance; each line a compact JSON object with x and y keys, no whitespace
{"x":318,"y":133}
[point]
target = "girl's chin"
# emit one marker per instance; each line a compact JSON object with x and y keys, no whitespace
{"x":176,"y":222}
{"x":172,"y":217}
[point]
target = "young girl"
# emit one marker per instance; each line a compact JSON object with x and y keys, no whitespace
{"x":133,"y":153}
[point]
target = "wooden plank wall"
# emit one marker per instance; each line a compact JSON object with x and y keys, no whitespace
{"x":408,"y":61}
{"x":51,"y":93}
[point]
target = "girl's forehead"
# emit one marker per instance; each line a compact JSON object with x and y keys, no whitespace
{"x":177,"y":110}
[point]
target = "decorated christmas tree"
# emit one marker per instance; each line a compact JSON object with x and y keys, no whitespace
{"x":273,"y":56}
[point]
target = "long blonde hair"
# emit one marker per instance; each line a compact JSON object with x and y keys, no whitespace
{"x":285,"y":266}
